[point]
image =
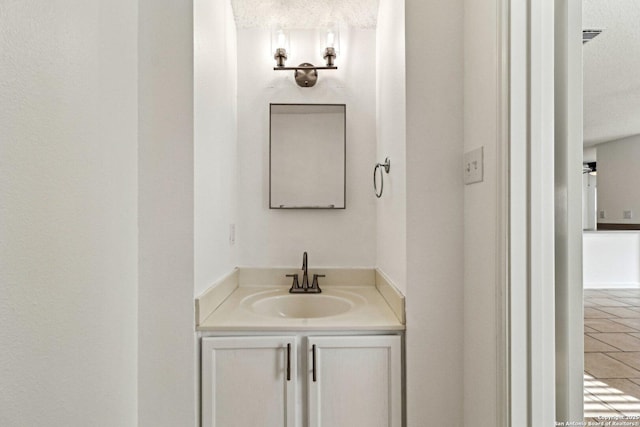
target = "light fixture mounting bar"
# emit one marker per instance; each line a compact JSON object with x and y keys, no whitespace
{"x":306,"y":67}
{"x":306,"y":74}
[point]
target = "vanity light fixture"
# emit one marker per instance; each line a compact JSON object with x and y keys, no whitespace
{"x":332,"y":43}
{"x":306,"y":74}
{"x":279,"y":45}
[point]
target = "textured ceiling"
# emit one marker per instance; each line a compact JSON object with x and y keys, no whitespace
{"x":301,"y":14}
{"x":611,"y":70}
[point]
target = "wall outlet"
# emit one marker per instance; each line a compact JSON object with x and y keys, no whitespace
{"x":474,"y":166}
{"x":601,"y":215}
{"x":232,"y":234}
{"x":627,"y":214}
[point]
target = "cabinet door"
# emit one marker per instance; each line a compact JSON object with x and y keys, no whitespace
{"x":354,"y":381}
{"x":248,"y":381}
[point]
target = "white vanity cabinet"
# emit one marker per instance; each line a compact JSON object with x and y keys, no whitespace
{"x":347,"y":381}
{"x":354,"y":381}
{"x":249,"y":381}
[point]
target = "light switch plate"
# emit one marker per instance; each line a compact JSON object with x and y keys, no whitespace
{"x":474,"y":166}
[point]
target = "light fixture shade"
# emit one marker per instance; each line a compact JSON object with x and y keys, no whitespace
{"x":332,"y":38}
{"x":279,"y":39}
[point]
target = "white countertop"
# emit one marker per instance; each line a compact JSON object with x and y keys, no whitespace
{"x":370,"y":312}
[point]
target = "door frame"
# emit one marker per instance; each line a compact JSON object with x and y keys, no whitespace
{"x":531,"y":188}
{"x":568,"y":211}
{"x":539,"y":243}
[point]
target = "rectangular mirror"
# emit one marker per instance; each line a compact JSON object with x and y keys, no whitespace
{"x":307,"y":161}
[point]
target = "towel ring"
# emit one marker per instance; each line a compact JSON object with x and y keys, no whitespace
{"x":386,"y":166}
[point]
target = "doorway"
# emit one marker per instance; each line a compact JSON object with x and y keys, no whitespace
{"x":611,"y":234}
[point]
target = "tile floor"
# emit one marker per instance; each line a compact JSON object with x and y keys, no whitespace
{"x":612,"y":355}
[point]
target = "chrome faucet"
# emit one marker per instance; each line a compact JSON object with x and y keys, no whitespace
{"x":296,"y":287}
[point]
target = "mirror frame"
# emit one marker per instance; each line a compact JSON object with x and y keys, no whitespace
{"x":344,"y":144}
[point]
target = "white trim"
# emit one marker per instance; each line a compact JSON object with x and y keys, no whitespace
{"x":541,"y":215}
{"x":568,"y":212}
{"x":531,"y":315}
{"x":503,"y":368}
{"x":518,"y":253}
{"x":541,"y":219}
{"x":612,"y":285}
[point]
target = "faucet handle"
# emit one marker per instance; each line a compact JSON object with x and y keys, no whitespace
{"x":295,"y":283}
{"x":314,"y":284}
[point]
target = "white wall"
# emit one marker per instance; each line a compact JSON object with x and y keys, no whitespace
{"x":391,"y":229}
{"x":480,"y":212}
{"x":619,"y":180}
{"x":68,"y":207}
{"x":611,"y":259}
{"x":589,"y":154}
{"x":215,"y":127}
{"x":435,"y":202}
{"x":332,"y":237}
{"x":166,"y":362}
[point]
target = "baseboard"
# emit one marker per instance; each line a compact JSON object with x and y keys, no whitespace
{"x":629,"y":285}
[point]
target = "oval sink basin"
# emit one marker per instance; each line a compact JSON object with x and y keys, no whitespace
{"x":301,"y":306}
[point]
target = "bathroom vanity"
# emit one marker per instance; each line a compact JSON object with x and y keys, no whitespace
{"x":272,"y":358}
